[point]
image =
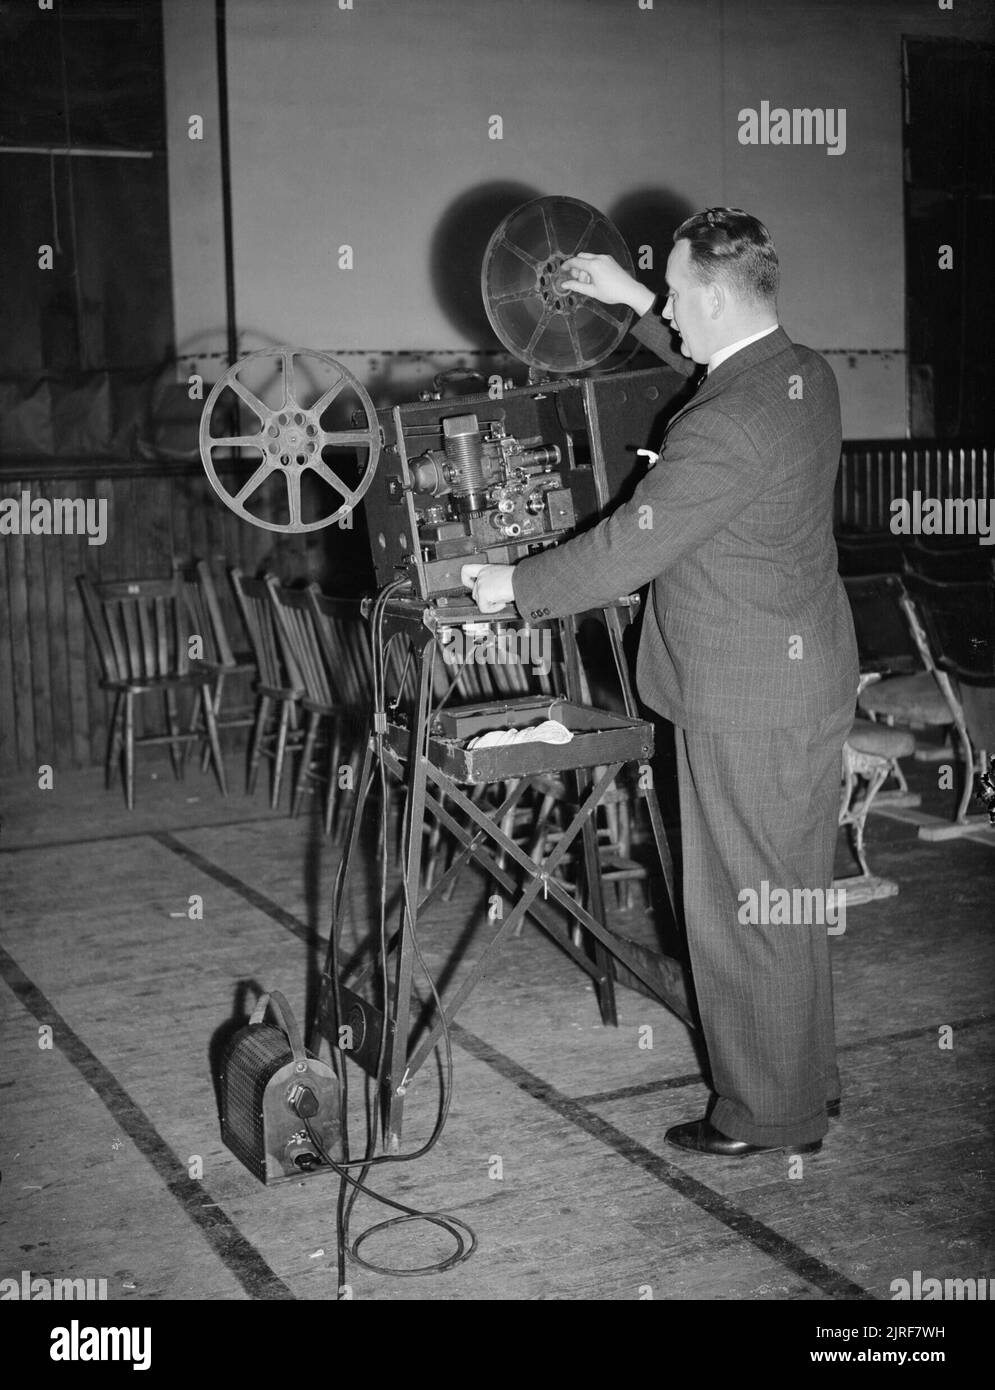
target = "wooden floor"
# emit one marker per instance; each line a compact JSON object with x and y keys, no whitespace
{"x":113,"y":1166}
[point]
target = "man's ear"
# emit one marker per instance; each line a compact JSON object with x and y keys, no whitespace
{"x":715,"y":299}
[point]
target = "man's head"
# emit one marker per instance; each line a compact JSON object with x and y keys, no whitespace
{"x":722,"y":276}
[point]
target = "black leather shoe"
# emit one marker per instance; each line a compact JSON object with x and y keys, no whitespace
{"x":701,"y":1136}
{"x":833,"y":1108}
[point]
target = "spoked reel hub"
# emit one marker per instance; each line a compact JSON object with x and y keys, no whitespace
{"x":522,"y":285}
{"x":290,"y":441}
{"x":289,"y":444}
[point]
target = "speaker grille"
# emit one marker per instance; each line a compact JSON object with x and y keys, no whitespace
{"x":254,"y":1054}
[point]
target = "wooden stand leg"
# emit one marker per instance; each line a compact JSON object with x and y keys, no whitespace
{"x":395,"y":1083}
{"x":592,"y":865}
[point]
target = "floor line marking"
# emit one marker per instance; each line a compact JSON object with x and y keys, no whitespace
{"x":137,"y":834}
{"x":693,"y":1078}
{"x":808,"y":1267}
{"x":236,"y":1253}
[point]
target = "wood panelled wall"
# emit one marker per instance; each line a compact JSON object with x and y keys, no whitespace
{"x":52,"y":709}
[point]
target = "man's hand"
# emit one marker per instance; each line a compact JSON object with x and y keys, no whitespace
{"x":491,"y":585}
{"x":602,"y":278}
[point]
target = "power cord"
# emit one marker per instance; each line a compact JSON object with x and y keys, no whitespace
{"x":305,"y":1104}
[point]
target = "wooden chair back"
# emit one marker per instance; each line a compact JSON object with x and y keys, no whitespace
{"x":256,"y":607}
{"x":296,"y":632}
{"x":140,"y":627}
{"x":206,"y":616}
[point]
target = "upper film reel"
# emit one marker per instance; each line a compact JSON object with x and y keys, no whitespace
{"x":301,"y":459}
{"x":521,"y":283}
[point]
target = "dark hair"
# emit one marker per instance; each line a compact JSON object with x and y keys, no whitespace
{"x":728,"y":244}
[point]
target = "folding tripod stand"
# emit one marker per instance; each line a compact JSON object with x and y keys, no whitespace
{"x":429,"y":757}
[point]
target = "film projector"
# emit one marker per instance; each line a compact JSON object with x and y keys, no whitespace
{"x":487,"y":478}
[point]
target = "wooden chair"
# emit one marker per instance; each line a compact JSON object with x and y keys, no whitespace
{"x":207,"y":622}
{"x":141,"y":630}
{"x":321,"y":671}
{"x":279,"y":686}
{"x":344,"y":641}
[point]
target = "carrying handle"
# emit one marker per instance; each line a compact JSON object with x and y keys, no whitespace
{"x":288,"y":1023}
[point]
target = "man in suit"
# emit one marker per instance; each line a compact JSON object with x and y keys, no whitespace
{"x":747,"y":646}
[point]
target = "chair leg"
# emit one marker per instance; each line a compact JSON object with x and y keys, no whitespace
{"x":173,"y":725}
{"x":129,"y":749}
{"x":857,"y":845}
{"x":331,"y":801}
{"x":195,"y":727}
{"x":113,"y":739}
{"x":205,"y":756}
{"x":212,"y":735}
{"x":281,"y":749}
{"x":304,"y":769}
{"x":875,"y":781}
{"x":256,"y":744}
{"x":967,"y":753}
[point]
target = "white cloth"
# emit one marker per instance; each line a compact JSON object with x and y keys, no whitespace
{"x":550,"y":731}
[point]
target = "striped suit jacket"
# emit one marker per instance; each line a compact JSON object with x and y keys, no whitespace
{"x":747,"y":624}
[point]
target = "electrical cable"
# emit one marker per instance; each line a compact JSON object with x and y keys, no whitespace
{"x":464,"y":1247}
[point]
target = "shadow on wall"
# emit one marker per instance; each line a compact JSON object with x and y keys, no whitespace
{"x":649,"y":217}
{"x":457,"y":252}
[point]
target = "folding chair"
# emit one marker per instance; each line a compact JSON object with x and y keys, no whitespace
{"x":954,"y":627}
{"x":903,"y":689}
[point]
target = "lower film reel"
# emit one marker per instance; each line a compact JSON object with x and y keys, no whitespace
{"x":521,"y":283}
{"x":295,"y":435}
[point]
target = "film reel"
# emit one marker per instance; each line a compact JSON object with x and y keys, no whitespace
{"x":291,"y":441}
{"x":521,"y":283}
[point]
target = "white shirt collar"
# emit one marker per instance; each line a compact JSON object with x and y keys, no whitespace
{"x":723,"y":353}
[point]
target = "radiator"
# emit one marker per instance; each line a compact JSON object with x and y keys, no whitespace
{"x":874,"y":472}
